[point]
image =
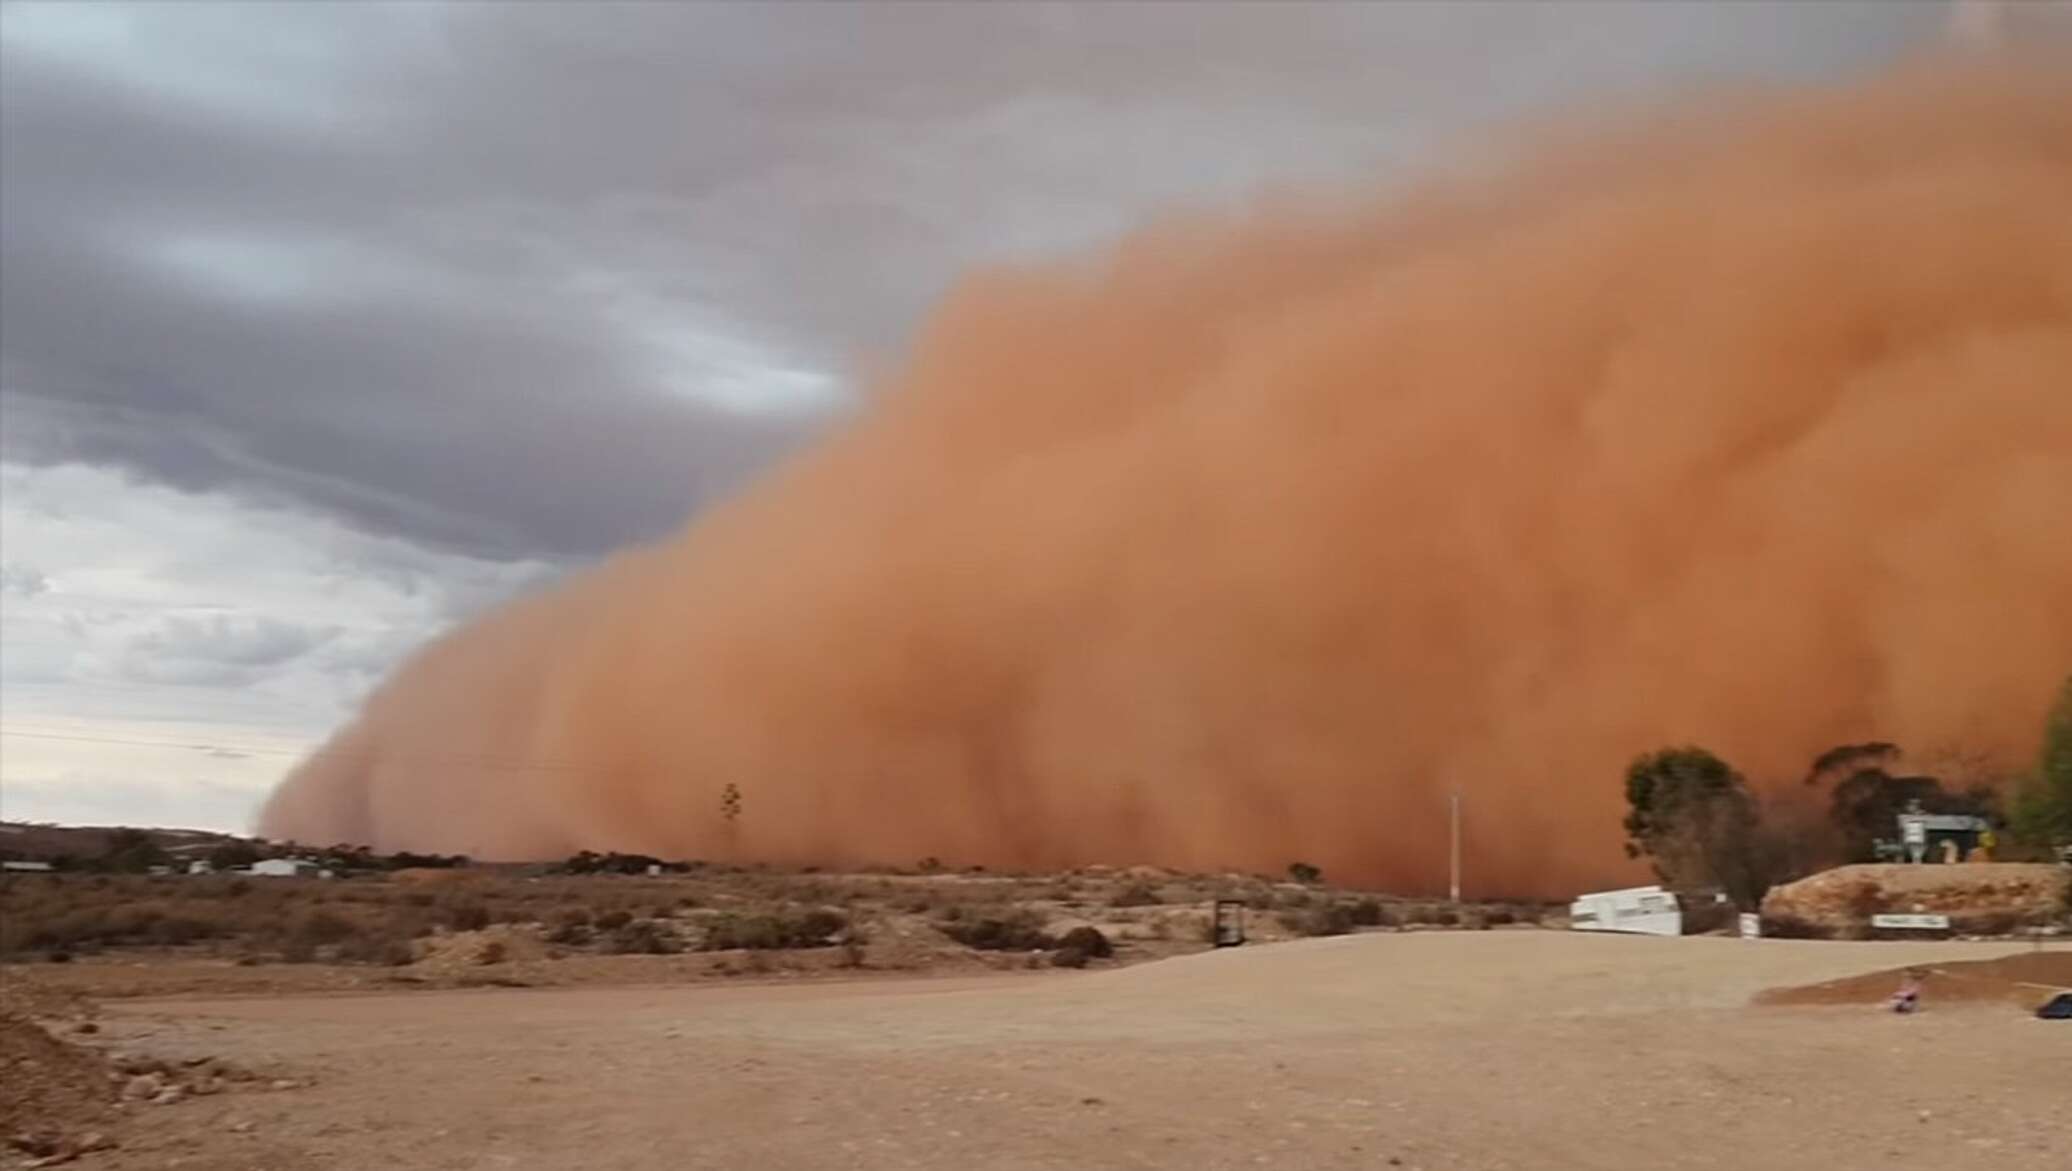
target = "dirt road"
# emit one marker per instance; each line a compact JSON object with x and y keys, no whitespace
{"x":1491,"y":1050}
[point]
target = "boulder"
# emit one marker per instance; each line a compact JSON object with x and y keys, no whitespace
{"x":1980,"y":898}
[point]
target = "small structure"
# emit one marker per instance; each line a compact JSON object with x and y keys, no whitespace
{"x":1639,"y":910}
{"x":284,"y":868}
{"x":1940,"y":837}
{"x":26,"y":867}
{"x":1227,"y":926}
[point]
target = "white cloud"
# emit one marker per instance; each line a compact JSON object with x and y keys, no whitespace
{"x":184,"y":649}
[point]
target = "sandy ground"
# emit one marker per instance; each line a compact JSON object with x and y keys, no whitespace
{"x":1484,"y":1050}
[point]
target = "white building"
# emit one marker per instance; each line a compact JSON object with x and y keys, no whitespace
{"x":26,"y":867}
{"x":285,"y":868}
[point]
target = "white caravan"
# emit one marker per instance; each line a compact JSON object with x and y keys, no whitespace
{"x":1639,"y":910}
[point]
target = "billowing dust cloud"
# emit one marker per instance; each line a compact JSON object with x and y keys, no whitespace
{"x":1248,"y":540}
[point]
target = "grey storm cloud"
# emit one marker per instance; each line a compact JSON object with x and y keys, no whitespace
{"x":532,"y":280}
{"x":25,"y":581}
{"x":217,"y":650}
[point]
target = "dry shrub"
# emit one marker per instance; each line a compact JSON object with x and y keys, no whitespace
{"x":322,"y":927}
{"x":1369,"y":912}
{"x":1434,"y":915}
{"x":569,"y":934}
{"x":1088,"y":941}
{"x":642,"y":937}
{"x":773,"y":931}
{"x":1136,"y":894}
{"x":467,"y":916}
{"x":1331,"y":919}
{"x":1018,"y":930}
{"x":387,"y":951}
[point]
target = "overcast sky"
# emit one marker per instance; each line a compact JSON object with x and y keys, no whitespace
{"x":324,"y":325}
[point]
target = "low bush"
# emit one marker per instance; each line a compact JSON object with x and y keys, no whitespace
{"x":388,"y":951}
{"x":642,"y":937}
{"x":1369,"y":913}
{"x":1332,"y":919}
{"x":1088,"y":941}
{"x":1433,"y":915}
{"x":322,"y":927}
{"x":569,"y":934}
{"x":1136,"y":894}
{"x":775,"y":931}
{"x":1015,"y":931}
{"x":467,"y":916}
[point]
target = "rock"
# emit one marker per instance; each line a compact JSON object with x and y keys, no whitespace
{"x":86,"y":1028}
{"x":94,"y":1140}
{"x":168,"y":1096}
{"x":143,"y":1085}
{"x":241,"y":1126}
{"x":32,"y":1142}
{"x":285,"y":1084}
{"x":1979,"y":897}
{"x":206,"y":1086}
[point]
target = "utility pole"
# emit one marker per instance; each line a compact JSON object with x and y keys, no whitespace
{"x":1453,"y":870}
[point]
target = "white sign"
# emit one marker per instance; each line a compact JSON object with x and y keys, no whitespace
{"x":1751,"y":925}
{"x":1912,"y":922}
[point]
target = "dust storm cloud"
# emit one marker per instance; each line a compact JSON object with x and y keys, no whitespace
{"x":1748,"y":424}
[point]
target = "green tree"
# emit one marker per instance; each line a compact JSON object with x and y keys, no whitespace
{"x":132,"y":851}
{"x":1690,"y":814}
{"x":1868,"y":796}
{"x":2041,"y":813}
{"x":233,"y":855}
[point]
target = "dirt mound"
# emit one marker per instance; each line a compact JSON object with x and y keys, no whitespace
{"x":2027,"y":979}
{"x":1980,"y":898}
{"x":54,"y":1092}
{"x":461,"y":951}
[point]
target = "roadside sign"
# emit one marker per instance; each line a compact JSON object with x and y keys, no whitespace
{"x":1911,"y":922}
